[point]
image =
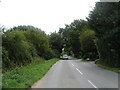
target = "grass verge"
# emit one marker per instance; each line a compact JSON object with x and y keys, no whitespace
{"x":86,"y":60}
{"x":109,"y":68}
{"x":24,"y":77}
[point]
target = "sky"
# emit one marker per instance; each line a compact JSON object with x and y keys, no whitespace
{"x":48,"y":15}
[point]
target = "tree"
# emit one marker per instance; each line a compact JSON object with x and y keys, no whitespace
{"x":24,"y":28}
{"x":19,"y":50}
{"x":40,"y":41}
{"x":70,"y":36}
{"x":56,"y":43}
{"x":21,"y":46}
{"x":105,"y":20}
{"x":87,"y":44}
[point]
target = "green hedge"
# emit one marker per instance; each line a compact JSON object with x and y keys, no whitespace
{"x":21,"y":46}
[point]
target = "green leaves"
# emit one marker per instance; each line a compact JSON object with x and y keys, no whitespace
{"x":56,"y":43}
{"x":23,"y":43}
{"x":70,"y":36}
{"x":87,"y":44}
{"x":104,"y":17}
{"x":39,"y":40}
{"x":105,"y":20}
{"x":17,"y":46}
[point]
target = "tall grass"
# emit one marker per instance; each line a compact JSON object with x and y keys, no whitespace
{"x":24,"y":77}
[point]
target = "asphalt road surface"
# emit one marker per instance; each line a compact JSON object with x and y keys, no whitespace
{"x":77,"y":74}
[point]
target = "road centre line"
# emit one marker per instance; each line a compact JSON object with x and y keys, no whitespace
{"x":72,"y":64}
{"x":77,"y":69}
{"x":93,"y":84}
{"x":82,"y":74}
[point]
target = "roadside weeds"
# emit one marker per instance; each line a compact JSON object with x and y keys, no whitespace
{"x":25,"y":77}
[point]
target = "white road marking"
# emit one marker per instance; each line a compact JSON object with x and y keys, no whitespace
{"x":82,"y":74}
{"x":72,"y":65}
{"x":79,"y":71}
{"x":92,"y":84}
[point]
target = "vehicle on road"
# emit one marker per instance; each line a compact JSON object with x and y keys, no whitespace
{"x":65,"y":57}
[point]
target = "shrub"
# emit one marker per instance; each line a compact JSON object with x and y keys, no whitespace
{"x":40,"y":41}
{"x":6,"y":63}
{"x":55,"y":41}
{"x":17,"y":49}
{"x":88,"y":47}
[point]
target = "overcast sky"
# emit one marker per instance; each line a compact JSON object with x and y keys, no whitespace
{"x":49,"y":15}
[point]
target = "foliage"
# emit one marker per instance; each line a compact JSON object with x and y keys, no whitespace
{"x":5,"y":59}
{"x":21,"y":46}
{"x":74,"y":42}
{"x":70,"y":37}
{"x":104,"y":17}
{"x":63,"y":53}
{"x":109,"y":68}
{"x":40,"y":41}
{"x":19,"y":50}
{"x":87,"y":44}
{"x":105,"y":20}
{"x":55,"y":41}
{"x":24,"y":77}
{"x":24,"y":28}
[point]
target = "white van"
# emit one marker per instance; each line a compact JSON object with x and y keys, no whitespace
{"x":65,"y":57}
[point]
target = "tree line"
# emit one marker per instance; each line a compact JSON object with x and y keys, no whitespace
{"x":97,"y":38}
{"x":20,"y":45}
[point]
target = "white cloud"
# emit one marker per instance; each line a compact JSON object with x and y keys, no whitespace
{"x":48,"y":15}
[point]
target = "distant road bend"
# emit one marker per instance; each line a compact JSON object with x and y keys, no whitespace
{"x":77,"y":74}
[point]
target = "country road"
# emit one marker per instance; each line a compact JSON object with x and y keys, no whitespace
{"x":77,"y":74}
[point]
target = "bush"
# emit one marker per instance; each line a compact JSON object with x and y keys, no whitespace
{"x":49,"y":54}
{"x":97,"y":61}
{"x":23,"y":43}
{"x":17,"y":49}
{"x":55,"y":41}
{"x":40,"y":41}
{"x":88,"y":47}
{"x":6,"y":62}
